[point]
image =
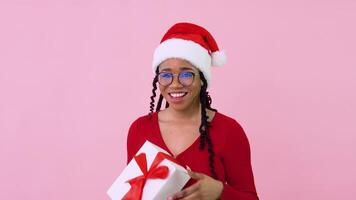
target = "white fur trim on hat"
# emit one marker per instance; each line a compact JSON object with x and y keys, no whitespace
{"x":184,"y":49}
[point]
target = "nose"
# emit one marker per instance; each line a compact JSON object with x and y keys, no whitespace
{"x":175,"y":82}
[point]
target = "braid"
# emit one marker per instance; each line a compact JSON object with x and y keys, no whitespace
{"x":154,"y":84}
{"x":208,"y":102}
{"x":159,"y":104}
{"x":205,"y":101}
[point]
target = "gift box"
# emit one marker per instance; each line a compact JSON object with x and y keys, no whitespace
{"x":152,"y":174}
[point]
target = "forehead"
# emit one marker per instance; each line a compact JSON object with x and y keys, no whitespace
{"x":176,"y":64}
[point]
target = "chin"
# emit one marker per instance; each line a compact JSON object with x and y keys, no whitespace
{"x":178,"y":107}
{"x":181,"y":107}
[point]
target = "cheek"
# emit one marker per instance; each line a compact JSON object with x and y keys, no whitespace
{"x":196,"y":87}
{"x":161,"y":89}
{"x":195,"y":90}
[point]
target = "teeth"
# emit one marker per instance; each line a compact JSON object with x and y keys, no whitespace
{"x":175,"y":95}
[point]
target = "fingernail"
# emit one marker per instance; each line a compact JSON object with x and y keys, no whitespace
{"x":188,"y":167}
{"x":170,"y":198}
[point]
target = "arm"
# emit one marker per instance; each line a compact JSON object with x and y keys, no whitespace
{"x":237,"y":162}
{"x":132,"y":141}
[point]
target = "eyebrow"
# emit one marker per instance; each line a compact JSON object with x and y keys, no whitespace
{"x":181,"y":68}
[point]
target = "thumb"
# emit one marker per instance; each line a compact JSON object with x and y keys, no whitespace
{"x":194,"y":175}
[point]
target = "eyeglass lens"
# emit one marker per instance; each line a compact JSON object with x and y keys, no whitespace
{"x":184,"y":78}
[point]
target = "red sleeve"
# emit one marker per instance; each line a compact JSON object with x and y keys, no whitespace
{"x":132,"y":138}
{"x":237,"y":162}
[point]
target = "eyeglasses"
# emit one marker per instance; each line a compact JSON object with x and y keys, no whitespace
{"x":185,"y":78}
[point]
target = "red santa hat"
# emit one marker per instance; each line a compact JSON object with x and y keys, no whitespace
{"x":192,"y":43}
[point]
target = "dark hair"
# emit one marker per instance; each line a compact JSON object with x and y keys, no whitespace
{"x":205,"y":101}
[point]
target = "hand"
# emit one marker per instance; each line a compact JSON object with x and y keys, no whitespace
{"x":206,"y":188}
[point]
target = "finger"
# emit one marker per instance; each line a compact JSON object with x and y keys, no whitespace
{"x":195,"y":175}
{"x":187,"y":191}
{"x":188,"y":168}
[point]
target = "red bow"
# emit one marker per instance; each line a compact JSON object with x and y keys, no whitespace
{"x":155,"y":172}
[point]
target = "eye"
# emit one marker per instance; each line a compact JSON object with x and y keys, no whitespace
{"x":186,"y":74}
{"x":166,"y":75}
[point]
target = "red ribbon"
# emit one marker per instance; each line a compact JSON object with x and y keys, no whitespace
{"x":155,"y":172}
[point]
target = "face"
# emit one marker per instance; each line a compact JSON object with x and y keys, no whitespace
{"x":179,"y":94}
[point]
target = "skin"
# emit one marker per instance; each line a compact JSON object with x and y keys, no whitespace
{"x":179,"y":126}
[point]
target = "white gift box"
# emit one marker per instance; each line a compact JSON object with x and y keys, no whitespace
{"x":154,"y":189}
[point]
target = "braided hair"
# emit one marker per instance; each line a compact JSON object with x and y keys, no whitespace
{"x":205,"y":101}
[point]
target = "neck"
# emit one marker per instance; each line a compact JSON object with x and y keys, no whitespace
{"x":191,"y":113}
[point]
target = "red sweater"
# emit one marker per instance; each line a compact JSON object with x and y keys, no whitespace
{"x":231,"y":147}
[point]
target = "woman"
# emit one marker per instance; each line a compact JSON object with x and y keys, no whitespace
{"x":213,"y":146}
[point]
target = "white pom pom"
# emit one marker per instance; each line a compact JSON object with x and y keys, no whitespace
{"x":218,"y":58}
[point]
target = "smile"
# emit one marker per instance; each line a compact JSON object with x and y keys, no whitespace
{"x":177,"y":94}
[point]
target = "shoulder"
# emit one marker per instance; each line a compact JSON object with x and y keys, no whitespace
{"x":229,"y":127}
{"x":226,"y":121}
{"x":138,"y":134}
{"x":143,"y":121}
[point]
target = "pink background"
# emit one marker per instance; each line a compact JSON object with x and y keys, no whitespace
{"x":75,"y":74}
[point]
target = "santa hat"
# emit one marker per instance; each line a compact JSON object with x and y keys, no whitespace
{"x":192,"y":43}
